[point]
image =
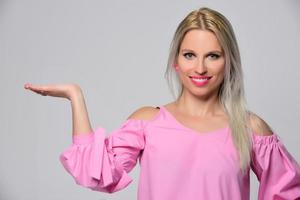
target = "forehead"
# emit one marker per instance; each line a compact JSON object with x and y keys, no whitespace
{"x":200,"y":40}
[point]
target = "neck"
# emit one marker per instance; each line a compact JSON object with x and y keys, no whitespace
{"x":205,"y":106}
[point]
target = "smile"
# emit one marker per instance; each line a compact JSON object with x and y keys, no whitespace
{"x":200,"y":81}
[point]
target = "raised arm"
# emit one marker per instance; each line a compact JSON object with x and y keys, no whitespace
{"x":80,"y":117}
{"x":96,"y":160}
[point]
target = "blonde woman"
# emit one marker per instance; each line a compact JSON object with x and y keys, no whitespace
{"x":201,"y":146}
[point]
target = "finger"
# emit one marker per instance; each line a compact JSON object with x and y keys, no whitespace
{"x":38,"y":88}
{"x":27,"y":86}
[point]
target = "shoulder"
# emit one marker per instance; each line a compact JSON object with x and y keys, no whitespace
{"x":258,"y":125}
{"x":144,"y":113}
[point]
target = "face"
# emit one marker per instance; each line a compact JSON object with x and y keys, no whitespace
{"x":201,"y":55}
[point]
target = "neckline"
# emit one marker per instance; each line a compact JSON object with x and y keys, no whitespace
{"x":181,"y":125}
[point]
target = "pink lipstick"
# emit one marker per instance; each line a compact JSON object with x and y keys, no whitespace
{"x":200,"y":80}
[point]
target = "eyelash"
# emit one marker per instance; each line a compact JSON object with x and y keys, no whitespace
{"x":216,"y":56}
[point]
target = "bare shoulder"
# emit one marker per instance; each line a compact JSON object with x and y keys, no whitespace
{"x":144,"y":113}
{"x":259,"y":126}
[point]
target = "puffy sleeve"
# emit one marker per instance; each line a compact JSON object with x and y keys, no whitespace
{"x":101,"y":162}
{"x":277,"y":171}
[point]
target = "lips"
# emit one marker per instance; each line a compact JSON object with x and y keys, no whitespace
{"x":200,"y":77}
{"x":200,"y":80}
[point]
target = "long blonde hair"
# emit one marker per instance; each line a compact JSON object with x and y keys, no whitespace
{"x":231,"y":93}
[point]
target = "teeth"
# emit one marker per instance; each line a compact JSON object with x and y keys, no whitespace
{"x":200,"y":79}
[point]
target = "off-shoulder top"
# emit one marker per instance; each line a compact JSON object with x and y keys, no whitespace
{"x":179,"y":163}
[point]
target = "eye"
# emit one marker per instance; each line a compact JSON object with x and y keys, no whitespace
{"x":190,"y":54}
{"x":214,"y":56}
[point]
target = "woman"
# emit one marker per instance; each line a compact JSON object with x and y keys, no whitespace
{"x":201,"y":146}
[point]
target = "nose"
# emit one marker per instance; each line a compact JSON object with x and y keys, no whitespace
{"x":201,"y":67}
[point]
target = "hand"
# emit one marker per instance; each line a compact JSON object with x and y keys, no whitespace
{"x":55,"y":90}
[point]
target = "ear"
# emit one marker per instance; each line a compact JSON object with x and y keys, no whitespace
{"x":175,"y":66}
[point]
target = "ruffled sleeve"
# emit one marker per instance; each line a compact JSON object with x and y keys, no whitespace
{"x":101,"y":162}
{"x":275,"y":168}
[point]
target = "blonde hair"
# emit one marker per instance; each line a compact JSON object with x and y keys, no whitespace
{"x":231,"y":93}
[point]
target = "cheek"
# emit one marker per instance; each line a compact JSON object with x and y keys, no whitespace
{"x":219,"y":75}
{"x":220,"y":71}
{"x":183,"y":77}
{"x":218,"y":68}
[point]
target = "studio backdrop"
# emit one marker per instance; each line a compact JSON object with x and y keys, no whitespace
{"x":117,"y":52}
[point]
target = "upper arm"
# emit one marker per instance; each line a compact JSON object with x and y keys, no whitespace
{"x":259,"y":126}
{"x":144,"y":113}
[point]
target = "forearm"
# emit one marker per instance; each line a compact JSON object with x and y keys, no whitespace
{"x":80,"y":118}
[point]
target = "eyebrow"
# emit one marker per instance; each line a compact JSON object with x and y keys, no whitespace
{"x":213,"y":51}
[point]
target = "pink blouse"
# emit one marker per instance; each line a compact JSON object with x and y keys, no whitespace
{"x":179,"y":163}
